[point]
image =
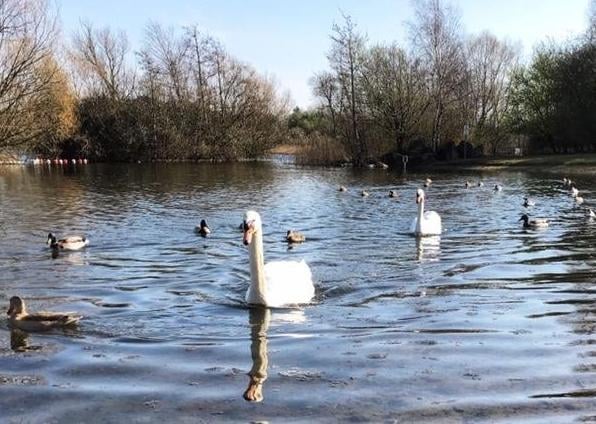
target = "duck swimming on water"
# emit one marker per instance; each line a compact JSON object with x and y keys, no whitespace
{"x":203,"y":229}
{"x":67,"y":243}
{"x":533,"y":223}
{"x":18,"y":317}
{"x":295,"y":237}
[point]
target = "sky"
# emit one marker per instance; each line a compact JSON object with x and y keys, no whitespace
{"x":288,"y":40}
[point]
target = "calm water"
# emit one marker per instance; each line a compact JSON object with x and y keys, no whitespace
{"x":489,"y":323}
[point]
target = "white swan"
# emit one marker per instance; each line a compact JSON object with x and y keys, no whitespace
{"x":426,"y":223}
{"x":278,"y":283}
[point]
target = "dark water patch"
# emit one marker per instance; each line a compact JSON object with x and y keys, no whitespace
{"x":575,"y":394}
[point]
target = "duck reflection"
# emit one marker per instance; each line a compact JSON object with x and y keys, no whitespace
{"x":258,"y":320}
{"x":428,"y":248}
{"x":19,"y":341}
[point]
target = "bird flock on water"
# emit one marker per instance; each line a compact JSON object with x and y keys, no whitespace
{"x":276,"y":283}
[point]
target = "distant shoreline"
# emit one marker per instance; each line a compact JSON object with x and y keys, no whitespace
{"x":556,"y":163}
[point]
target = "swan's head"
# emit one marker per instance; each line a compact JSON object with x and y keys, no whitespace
{"x":251,"y":224}
{"x":17,"y":306}
{"x":419,"y":196}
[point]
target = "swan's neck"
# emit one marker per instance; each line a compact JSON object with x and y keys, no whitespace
{"x":257,"y":270}
{"x":420,"y":215}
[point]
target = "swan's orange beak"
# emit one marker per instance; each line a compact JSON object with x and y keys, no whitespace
{"x":418,"y":198}
{"x":248,"y":232}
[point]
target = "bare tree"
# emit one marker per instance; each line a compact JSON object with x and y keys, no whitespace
{"x":396,"y":93}
{"x":324,"y":85}
{"x":100,"y":57}
{"x":437,"y":39}
{"x":345,"y":59}
{"x":490,"y":64}
{"x":27,"y":31}
{"x":168,"y":53}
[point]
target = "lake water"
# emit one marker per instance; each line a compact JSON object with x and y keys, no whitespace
{"x":489,"y":323}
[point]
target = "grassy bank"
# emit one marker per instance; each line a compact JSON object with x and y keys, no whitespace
{"x":571,"y":164}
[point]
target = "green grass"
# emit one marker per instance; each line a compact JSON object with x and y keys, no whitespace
{"x":572,"y":164}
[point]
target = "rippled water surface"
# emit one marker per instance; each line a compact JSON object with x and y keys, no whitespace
{"x":489,"y":323}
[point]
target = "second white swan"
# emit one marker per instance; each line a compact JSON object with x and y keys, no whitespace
{"x":278,"y":283}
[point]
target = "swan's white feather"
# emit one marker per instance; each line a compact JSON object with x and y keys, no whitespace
{"x":278,"y":283}
{"x":430,"y":226}
{"x":288,"y":282}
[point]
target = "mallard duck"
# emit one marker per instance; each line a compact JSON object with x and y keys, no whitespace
{"x":67,"y":243}
{"x":203,"y":229}
{"x":428,"y":182}
{"x":498,"y":187}
{"x":18,"y":317}
{"x":365,"y":193}
{"x":534,"y":223}
{"x":342,"y":188}
{"x":528,"y":202}
{"x":393,"y":193}
{"x":295,"y":237}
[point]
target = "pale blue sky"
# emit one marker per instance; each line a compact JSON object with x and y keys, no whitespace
{"x":289,"y":39}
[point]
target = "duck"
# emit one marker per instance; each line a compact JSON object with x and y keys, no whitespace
{"x":468,"y":184}
{"x":591,"y":213}
{"x":295,"y":237}
{"x":67,"y":243}
{"x":574,"y":191}
{"x":342,"y":188}
{"x":278,"y":283}
{"x":533,"y":223}
{"x":579,"y":200}
{"x":393,"y":193}
{"x":425,"y":223}
{"x":18,"y":317}
{"x":365,"y":193}
{"x":480,"y":183}
{"x":528,"y":202}
{"x":428,"y":182}
{"x":566,"y":181}
{"x":498,"y":187}
{"x":203,"y":228}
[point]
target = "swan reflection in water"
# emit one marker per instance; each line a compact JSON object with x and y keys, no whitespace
{"x":428,"y":248}
{"x":258,"y":320}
